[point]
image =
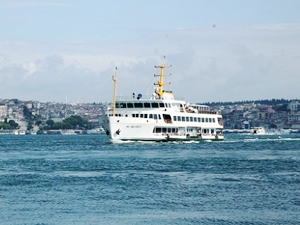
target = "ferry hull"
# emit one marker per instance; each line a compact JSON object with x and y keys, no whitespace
{"x":126,"y":129}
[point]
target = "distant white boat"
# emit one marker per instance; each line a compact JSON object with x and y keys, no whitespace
{"x":96,"y":131}
{"x":258,"y":130}
{"x":68,"y":132}
{"x":33,"y":132}
{"x":20,"y":132}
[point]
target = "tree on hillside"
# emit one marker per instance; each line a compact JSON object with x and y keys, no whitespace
{"x":50,"y":123}
{"x":8,"y":126}
{"x":72,"y":122}
{"x":13,"y":124}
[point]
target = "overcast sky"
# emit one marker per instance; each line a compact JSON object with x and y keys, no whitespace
{"x":219,"y":50}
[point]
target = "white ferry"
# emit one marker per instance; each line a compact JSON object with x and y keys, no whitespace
{"x":160,"y":117}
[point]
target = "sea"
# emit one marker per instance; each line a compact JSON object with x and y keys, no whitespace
{"x":86,"y":179}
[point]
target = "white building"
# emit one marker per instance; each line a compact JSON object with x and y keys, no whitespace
{"x":293,"y":106}
{"x":3,"y":111}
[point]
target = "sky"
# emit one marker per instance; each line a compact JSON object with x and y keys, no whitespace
{"x":67,"y":50}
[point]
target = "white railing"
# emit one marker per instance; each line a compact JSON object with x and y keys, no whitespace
{"x":144,"y":97}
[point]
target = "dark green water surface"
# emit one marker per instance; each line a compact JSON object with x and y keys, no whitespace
{"x":85,"y":179}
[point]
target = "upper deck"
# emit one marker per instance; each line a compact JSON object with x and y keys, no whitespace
{"x":160,"y":100}
{"x":162,"y":105}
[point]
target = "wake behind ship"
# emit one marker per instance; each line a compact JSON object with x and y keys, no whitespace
{"x":160,"y":117}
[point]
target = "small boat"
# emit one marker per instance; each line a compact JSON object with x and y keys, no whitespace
{"x":96,"y":131}
{"x":160,"y":117}
{"x":258,"y":130}
{"x":68,"y":132}
{"x":19,"y":132}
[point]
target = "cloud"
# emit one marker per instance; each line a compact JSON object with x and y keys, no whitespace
{"x":215,"y":64}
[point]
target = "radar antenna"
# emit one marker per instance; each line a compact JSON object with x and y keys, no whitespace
{"x":115,"y":91}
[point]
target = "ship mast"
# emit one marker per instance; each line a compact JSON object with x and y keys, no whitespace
{"x":161,"y":83}
{"x":115,"y":91}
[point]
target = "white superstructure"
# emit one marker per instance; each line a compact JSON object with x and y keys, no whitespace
{"x":160,"y":118}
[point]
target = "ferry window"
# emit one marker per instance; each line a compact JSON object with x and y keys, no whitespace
{"x":175,"y":118}
{"x":159,"y":117}
{"x":133,"y":115}
{"x":199,"y":119}
{"x":123,"y":105}
{"x":147,"y":105}
{"x":169,"y":130}
{"x":161,"y":105}
{"x":118,"y":105}
{"x":151,"y":116}
{"x":173,"y":130}
{"x":195,"y":119}
{"x":164,"y":130}
{"x":187,"y":119}
{"x":214,"y":120}
{"x":202,"y":120}
{"x":183,"y":119}
{"x":129,"y":105}
{"x":210,"y":120}
{"x":179,"y":118}
{"x":141,"y":115}
{"x":155,"y":116}
{"x":191,"y":119}
{"x":154,"y":105}
{"x":145,"y":115}
{"x":181,"y":108}
{"x":126,"y":115}
{"x":158,"y":130}
{"x":138,"y":105}
{"x":212,"y":131}
{"x":206,"y":120}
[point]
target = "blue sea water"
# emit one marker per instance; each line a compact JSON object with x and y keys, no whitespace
{"x":85,"y":179}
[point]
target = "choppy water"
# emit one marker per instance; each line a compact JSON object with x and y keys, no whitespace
{"x":87,"y":180}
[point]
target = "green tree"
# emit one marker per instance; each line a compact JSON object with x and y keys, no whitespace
{"x":57,"y":126}
{"x":74,"y":122}
{"x":13,"y":124}
{"x":29,"y":126}
{"x":50,"y":123}
{"x":38,"y":122}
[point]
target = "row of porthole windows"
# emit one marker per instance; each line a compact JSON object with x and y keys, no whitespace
{"x":193,"y":119}
{"x":175,"y":130}
{"x":140,"y":115}
{"x":150,"y":116}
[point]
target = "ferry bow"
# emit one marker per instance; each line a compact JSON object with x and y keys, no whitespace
{"x":160,"y":117}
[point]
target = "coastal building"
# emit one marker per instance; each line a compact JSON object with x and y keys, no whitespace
{"x":294,"y":117}
{"x":294,"y":106}
{"x":3,"y":112}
